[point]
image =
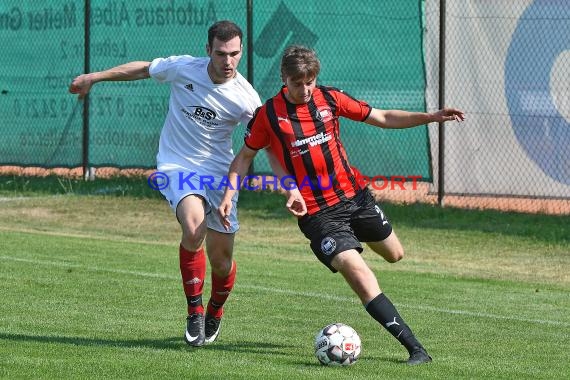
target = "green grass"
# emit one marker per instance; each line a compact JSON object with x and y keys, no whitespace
{"x":90,"y":289}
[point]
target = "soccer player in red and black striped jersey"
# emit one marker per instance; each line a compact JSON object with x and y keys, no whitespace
{"x":300,"y":125}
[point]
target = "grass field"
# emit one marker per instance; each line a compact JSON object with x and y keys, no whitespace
{"x":90,"y":289}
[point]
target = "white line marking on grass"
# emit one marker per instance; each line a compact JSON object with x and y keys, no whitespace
{"x":289,"y":292}
{"x":89,"y":268}
{"x":120,"y":239}
{"x":420,"y":307}
{"x":485,"y":315}
{"x":21,"y":198}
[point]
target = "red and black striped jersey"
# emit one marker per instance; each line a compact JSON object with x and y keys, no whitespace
{"x":305,"y":138}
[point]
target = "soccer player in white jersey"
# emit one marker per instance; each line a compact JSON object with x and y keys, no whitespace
{"x":208,"y":99}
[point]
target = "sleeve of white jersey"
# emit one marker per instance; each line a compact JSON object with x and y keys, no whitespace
{"x":164,"y":69}
{"x":254,"y":102}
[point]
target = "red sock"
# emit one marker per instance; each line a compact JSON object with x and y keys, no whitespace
{"x":193,"y":271}
{"x":221,"y":288}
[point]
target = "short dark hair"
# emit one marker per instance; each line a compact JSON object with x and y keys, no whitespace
{"x":299,"y":62}
{"x":224,"y":31}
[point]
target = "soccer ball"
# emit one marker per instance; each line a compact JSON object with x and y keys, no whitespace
{"x":337,"y":344}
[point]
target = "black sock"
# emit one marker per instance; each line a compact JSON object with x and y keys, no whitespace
{"x":382,"y":310}
{"x":194,"y":304}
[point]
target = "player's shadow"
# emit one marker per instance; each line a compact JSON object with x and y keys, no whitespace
{"x":171,"y":343}
{"x":251,"y":347}
{"x":367,"y":358}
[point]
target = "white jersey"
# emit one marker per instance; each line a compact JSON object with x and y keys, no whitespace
{"x":197,"y":132}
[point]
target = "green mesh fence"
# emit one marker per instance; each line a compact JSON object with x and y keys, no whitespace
{"x":371,"y":49}
{"x":42,"y":48}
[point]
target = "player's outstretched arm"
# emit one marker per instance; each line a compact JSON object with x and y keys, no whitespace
{"x":398,"y":119}
{"x":82,"y":84}
{"x":238,"y":169}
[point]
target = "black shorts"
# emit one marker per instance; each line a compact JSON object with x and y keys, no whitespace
{"x":344,"y":225}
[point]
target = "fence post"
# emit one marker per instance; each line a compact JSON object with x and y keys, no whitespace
{"x":87,"y":173}
{"x":249,"y":28}
{"x":441,"y":95}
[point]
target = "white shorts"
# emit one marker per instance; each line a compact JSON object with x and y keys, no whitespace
{"x":183,"y":182}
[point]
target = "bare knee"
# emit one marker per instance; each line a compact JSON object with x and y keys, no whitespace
{"x":390,"y":248}
{"x":392,"y":253}
{"x":220,"y":252}
{"x":191,"y":215}
{"x":221,"y":264}
{"x":395,"y":255}
{"x":193,"y":237}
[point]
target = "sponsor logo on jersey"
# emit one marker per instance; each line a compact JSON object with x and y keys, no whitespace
{"x":324,"y":114}
{"x":315,"y":140}
{"x":189,"y":87}
{"x":200,"y":114}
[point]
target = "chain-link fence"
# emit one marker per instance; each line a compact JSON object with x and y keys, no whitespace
{"x":505,"y":63}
